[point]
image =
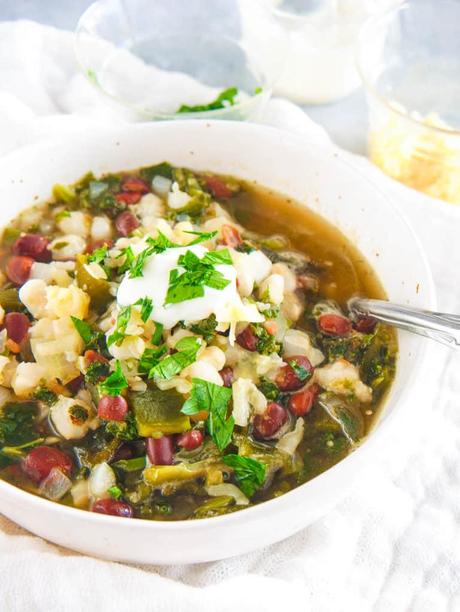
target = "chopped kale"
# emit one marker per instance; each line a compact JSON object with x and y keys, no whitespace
{"x":96,"y":372}
{"x":205,"y":328}
{"x":269,"y":389}
{"x":266,"y":342}
{"x":46,"y":396}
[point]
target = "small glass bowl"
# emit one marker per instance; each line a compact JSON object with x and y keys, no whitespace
{"x":154,"y":56}
{"x":409,"y":61}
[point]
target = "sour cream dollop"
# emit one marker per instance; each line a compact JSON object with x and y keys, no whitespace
{"x":155,"y":282}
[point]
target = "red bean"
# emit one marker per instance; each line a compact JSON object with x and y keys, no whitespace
{"x":128,"y":197}
{"x":266,"y":425}
{"x":75,"y":384}
{"x":126,"y":223}
{"x":112,"y":408}
{"x":92,"y":356}
{"x":17,"y":326}
{"x":33,"y":245}
{"x":190,"y":439}
{"x":227,"y":376}
{"x":113,"y":507}
{"x":134,"y":184}
{"x":247,"y":339}
{"x":218,"y":187}
{"x":365,"y":325}
{"x":18,"y":268}
{"x":334,"y":324}
{"x":292,"y":378}
{"x":231,"y":236}
{"x":160,"y":450}
{"x":42,"y":459}
{"x":302,"y":402}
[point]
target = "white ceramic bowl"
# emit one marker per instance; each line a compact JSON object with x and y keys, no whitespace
{"x":283,"y":162}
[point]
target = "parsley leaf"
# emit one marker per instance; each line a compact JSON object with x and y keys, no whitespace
{"x":249,"y":473}
{"x":84,"y":329}
{"x":115,"y":383}
{"x":224,"y":99}
{"x":205,"y":328}
{"x":115,"y":492}
{"x":208,"y":396}
{"x":150,"y":358}
{"x":173,"y":364}
{"x":156,"y":338}
{"x":120,"y":329}
{"x":146,"y":305}
{"x":129,"y":258}
{"x":218,"y":257}
{"x":201,"y":237}
{"x":198,"y":274}
{"x":92,"y":339}
{"x":98,"y":255}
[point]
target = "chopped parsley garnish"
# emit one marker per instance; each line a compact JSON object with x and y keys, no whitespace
{"x":158,"y":333}
{"x":205,"y":328}
{"x":119,"y":334}
{"x":146,"y":305}
{"x":208,"y":396}
{"x":98,"y":255}
{"x":150,"y":358}
{"x":115,"y":492}
{"x":224,"y":99}
{"x":173,"y":364}
{"x":249,"y":473}
{"x":201,"y":237}
{"x":115,"y":383}
{"x":48,"y":397}
{"x":92,"y":339}
{"x":197,"y":274}
{"x":135,"y":263}
{"x":129,"y":258}
{"x":84,"y":329}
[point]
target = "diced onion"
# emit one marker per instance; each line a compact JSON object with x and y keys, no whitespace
{"x":101,"y":479}
{"x":290,"y":441}
{"x":55,"y":485}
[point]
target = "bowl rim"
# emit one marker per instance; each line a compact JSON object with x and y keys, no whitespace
{"x":370,"y":87}
{"x":262,"y":93}
{"x":376,"y":434}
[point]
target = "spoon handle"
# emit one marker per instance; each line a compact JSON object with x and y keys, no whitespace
{"x":444,"y":328}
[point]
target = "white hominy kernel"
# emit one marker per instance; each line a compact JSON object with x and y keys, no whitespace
{"x":76,"y":223}
{"x":101,"y":228}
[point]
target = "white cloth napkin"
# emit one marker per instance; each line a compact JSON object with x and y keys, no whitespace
{"x":393,"y":545}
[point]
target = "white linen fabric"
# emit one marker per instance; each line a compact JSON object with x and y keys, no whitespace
{"x":392,"y":545}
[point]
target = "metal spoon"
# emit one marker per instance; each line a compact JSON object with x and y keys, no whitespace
{"x":444,"y":328}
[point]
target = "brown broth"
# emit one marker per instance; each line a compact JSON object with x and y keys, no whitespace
{"x":345,"y":272}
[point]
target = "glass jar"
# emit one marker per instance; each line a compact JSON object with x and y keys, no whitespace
{"x":409,"y":60}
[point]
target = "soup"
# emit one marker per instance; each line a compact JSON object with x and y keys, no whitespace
{"x":177,"y":345}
